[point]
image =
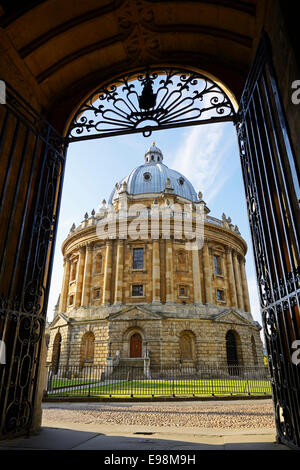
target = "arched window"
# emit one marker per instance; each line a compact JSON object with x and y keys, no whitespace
{"x":181,"y":260}
{"x":98,"y":263}
{"x":217,"y":264}
{"x":187,"y":345}
{"x":73,"y":270}
{"x":231,"y":352}
{"x":254,"y":353}
{"x":87,"y":347}
{"x":56,"y":353}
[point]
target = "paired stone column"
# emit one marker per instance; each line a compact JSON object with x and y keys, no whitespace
{"x":63,"y":302}
{"x":107,"y":273}
{"x":119,"y":273}
{"x":169,"y":272}
{"x":238,"y":283}
{"x":196,"y":277}
{"x":79,"y":277}
{"x":85,"y":299}
{"x":207,"y":273}
{"x":231,"y":280}
{"x":155,"y":273}
{"x":245,"y":285}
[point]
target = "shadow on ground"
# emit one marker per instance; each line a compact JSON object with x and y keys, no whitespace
{"x":51,"y":438}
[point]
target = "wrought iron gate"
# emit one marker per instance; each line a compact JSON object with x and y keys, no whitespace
{"x":272,"y":193}
{"x":32,"y":165}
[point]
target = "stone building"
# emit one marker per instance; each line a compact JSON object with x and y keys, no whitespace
{"x":153,"y":275}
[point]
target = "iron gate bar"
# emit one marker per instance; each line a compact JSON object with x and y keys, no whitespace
{"x":122,"y":109}
{"x":263,"y":140}
{"x":35,"y":148}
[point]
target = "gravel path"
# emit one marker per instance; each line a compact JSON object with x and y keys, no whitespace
{"x":237,"y":415}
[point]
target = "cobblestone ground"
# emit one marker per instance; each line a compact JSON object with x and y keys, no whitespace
{"x":237,"y":415}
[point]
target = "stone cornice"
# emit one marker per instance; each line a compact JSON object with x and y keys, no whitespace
{"x":214,"y":233}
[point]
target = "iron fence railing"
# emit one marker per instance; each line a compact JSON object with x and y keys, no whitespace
{"x":131,"y":381}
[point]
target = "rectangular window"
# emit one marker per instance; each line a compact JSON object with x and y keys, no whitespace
{"x":138,"y":290}
{"x":217,"y":263}
{"x":71,"y":299}
{"x":96,"y":293}
{"x":183,"y":291}
{"x":138,"y":258}
{"x":220,"y":295}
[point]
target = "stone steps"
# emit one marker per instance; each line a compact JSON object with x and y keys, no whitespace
{"x":129,"y":369}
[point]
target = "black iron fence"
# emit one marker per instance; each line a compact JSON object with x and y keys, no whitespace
{"x":173,"y":381}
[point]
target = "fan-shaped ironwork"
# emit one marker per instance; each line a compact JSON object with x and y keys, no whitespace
{"x":151,"y":100}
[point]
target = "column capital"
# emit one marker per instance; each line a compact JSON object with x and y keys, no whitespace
{"x":67,"y":258}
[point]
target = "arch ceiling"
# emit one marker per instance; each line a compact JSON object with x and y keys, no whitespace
{"x":70,"y":47}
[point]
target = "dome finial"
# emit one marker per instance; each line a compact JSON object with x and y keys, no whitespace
{"x":153,"y":143}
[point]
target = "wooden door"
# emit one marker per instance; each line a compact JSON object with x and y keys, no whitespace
{"x":136,"y":345}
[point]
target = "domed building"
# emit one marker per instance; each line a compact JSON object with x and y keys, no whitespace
{"x":153,"y":276}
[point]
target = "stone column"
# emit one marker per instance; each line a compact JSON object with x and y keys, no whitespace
{"x":245,"y":285}
{"x":231,"y":281}
{"x":107,"y":273}
{"x":238,"y":283}
{"x":196,"y":277}
{"x":79,"y":277}
{"x":85,"y":299}
{"x":119,"y":273}
{"x":207,"y":273}
{"x":63,"y":302}
{"x":155,"y":273}
{"x":169,"y":272}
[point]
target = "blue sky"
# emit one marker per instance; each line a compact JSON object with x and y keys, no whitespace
{"x":207,"y":155}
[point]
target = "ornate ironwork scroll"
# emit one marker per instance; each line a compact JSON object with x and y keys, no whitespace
{"x":32,"y":161}
{"x":151,"y":100}
{"x":272,"y":192}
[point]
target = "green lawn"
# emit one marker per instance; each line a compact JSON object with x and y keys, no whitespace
{"x":59,"y":383}
{"x":201,"y":387}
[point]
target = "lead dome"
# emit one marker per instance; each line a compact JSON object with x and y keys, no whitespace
{"x":152,"y":177}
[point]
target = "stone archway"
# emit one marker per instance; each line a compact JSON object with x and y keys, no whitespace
{"x":187,"y":346}
{"x":87,"y":348}
{"x":234,"y":355}
{"x":56,"y":353}
{"x":133,"y":343}
{"x":55,"y":73}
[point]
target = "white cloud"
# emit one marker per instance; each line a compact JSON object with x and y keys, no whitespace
{"x":203,"y":158}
